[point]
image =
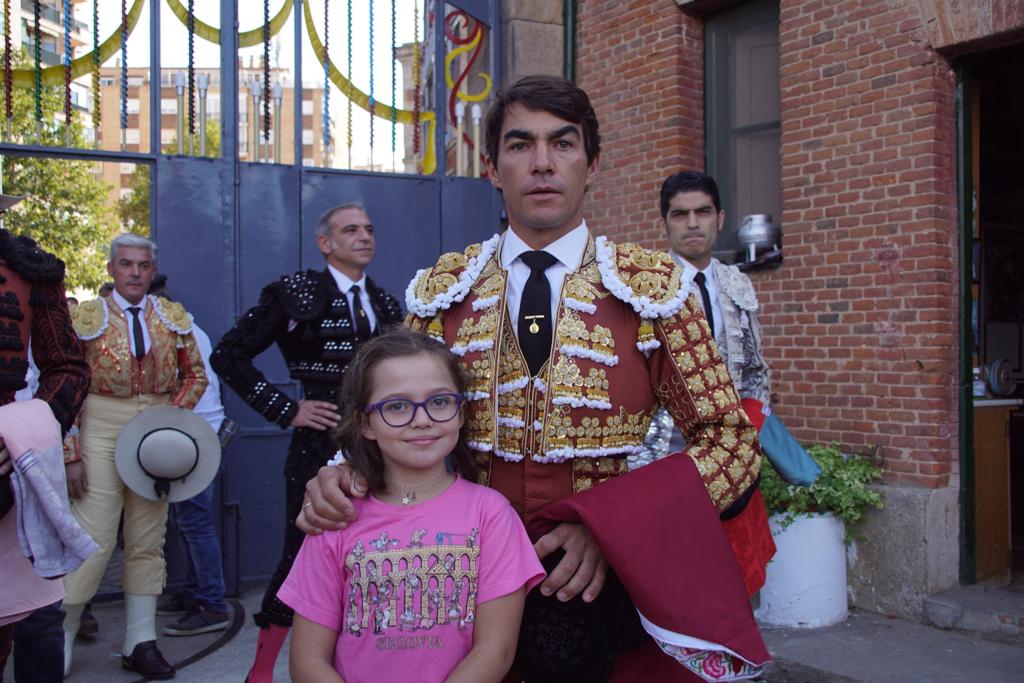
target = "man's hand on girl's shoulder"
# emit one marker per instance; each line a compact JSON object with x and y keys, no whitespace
{"x":327,"y":505}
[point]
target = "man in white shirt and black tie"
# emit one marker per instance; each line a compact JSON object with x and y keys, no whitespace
{"x":142,"y":353}
{"x":691,"y":211}
{"x":318,"y":319}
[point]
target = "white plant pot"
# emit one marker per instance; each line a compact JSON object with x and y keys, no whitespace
{"x":806,"y":580}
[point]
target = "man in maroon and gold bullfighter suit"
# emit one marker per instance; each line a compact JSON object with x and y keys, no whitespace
{"x":570,"y":343}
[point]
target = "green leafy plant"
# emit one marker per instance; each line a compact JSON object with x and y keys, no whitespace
{"x":841,"y":488}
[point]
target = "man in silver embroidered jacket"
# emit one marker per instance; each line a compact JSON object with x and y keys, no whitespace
{"x":569,"y":343}
{"x":691,"y":211}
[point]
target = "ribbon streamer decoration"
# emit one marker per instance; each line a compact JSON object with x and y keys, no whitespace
{"x":362,"y":100}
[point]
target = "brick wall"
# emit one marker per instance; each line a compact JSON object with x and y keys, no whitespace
{"x":861,"y":320}
{"x":642,"y":64}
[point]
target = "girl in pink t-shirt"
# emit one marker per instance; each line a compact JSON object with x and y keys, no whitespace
{"x":428,"y":583}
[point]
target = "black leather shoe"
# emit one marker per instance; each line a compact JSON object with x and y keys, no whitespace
{"x":88,"y":627}
{"x":147,"y":661}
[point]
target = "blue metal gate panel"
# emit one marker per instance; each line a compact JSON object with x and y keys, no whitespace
{"x":405,"y":211}
{"x":472,"y":212}
{"x":269,"y":239}
{"x":195,"y":252}
{"x":195,"y":248}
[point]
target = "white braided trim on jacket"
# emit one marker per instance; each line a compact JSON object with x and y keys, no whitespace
{"x":158,"y":307}
{"x":512,"y":385}
{"x":582,"y":352}
{"x":481,"y":304}
{"x":574,"y":402}
{"x":577,"y":305}
{"x":622,"y":291}
{"x":508,"y":455}
{"x":480,"y":446}
{"x":648,"y":345}
{"x":563,"y":454}
{"x":475,"y":345}
{"x":456,"y":292}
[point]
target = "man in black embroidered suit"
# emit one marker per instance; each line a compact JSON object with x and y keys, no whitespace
{"x":317,"y":319}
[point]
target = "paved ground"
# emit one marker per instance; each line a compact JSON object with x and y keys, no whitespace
{"x":97,"y":660}
{"x":866,"y":648}
{"x":873,"y":648}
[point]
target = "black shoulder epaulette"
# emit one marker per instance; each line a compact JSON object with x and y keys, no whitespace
{"x":390,"y":306}
{"x":24,"y":257}
{"x":304,"y":294}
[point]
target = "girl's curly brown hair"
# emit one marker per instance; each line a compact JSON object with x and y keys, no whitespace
{"x":363,"y":455}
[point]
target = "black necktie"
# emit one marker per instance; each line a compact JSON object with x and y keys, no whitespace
{"x":362,"y":322}
{"x":140,"y":342}
{"x":535,"y":310}
{"x":700,"y":279}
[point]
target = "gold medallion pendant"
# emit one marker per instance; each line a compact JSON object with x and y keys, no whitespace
{"x":534,"y":327}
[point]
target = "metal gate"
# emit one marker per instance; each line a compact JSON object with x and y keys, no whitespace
{"x":227,"y":225}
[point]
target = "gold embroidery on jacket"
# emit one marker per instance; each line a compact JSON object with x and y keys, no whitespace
{"x":513,"y":394}
{"x":588,"y":472}
{"x":613,"y":432}
{"x":571,"y":383}
{"x":430,"y":287}
{"x":87,"y":318}
{"x":572,"y":331}
{"x":491,"y":285}
{"x":651,"y":274}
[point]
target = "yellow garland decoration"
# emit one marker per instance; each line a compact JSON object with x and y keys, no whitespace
{"x":465,"y":97}
{"x":54,"y":75}
{"x":363,"y":100}
{"x":245,"y":38}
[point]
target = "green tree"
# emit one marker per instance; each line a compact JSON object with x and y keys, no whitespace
{"x":66,"y":211}
{"x":133,"y":208}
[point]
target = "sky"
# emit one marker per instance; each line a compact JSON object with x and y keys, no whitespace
{"x":174,"y":43}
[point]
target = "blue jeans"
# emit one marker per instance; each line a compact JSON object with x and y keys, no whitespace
{"x":204,"y":580}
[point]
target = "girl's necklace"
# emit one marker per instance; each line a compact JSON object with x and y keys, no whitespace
{"x":409,"y":492}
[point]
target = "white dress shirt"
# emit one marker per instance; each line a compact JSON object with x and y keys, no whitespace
{"x":711,"y":282}
{"x":209,"y":406}
{"x":142,"y":305}
{"x":345,"y":284}
{"x":568,"y":249}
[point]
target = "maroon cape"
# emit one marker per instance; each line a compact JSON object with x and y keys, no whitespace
{"x":657,"y":528}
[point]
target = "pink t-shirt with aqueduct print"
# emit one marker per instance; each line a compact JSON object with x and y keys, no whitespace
{"x":401,"y":585}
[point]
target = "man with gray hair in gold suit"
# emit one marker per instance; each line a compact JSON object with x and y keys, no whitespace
{"x":142,"y":353}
